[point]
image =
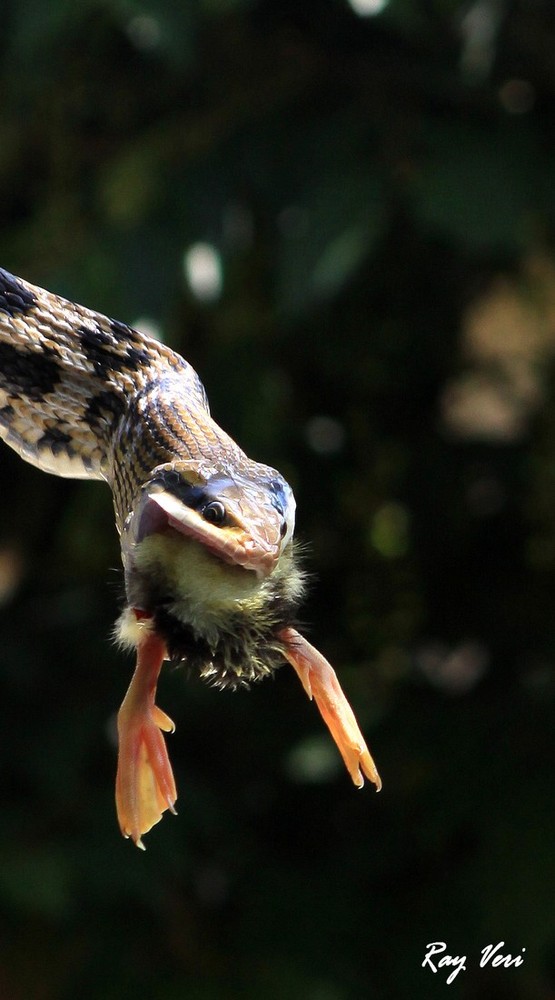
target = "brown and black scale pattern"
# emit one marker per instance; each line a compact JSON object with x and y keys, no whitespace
{"x":88,"y":377}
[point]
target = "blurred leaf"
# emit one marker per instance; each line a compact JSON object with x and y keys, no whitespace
{"x":478,"y":183}
{"x":36,"y":882}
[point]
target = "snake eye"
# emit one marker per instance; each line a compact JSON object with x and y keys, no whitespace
{"x":214,"y":512}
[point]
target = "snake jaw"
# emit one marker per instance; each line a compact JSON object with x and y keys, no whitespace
{"x":242,"y":512}
{"x":255,"y":550}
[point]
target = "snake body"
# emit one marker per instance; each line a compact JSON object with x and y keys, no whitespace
{"x":85,"y":396}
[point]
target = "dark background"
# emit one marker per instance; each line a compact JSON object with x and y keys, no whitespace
{"x":374,"y":195}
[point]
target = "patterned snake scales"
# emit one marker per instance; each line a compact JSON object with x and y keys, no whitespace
{"x":211,"y":575}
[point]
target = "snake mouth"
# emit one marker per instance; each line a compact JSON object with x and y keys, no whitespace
{"x":231,"y":544}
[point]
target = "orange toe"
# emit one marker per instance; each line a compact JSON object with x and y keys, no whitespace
{"x":320,"y":682}
{"x":145,"y":785}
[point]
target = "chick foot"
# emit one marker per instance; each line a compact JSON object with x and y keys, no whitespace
{"x":320,"y":681}
{"x":145,"y":785}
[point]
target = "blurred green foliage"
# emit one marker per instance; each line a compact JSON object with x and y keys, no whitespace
{"x":362,"y":182}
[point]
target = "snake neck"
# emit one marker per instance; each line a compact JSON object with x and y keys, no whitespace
{"x":222,"y":620}
{"x":163,"y":423}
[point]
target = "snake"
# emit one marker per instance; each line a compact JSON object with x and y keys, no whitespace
{"x":212,"y":575}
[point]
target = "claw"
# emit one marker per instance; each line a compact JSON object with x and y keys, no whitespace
{"x":162,"y":720}
{"x":145,"y":785}
{"x":320,"y":680}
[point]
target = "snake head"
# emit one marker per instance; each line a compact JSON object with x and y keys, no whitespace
{"x":244,"y":517}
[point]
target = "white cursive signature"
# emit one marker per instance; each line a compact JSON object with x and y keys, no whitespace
{"x":491,"y":955}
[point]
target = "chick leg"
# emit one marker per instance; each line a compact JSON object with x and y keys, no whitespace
{"x":320,"y":680}
{"x":145,"y":785}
